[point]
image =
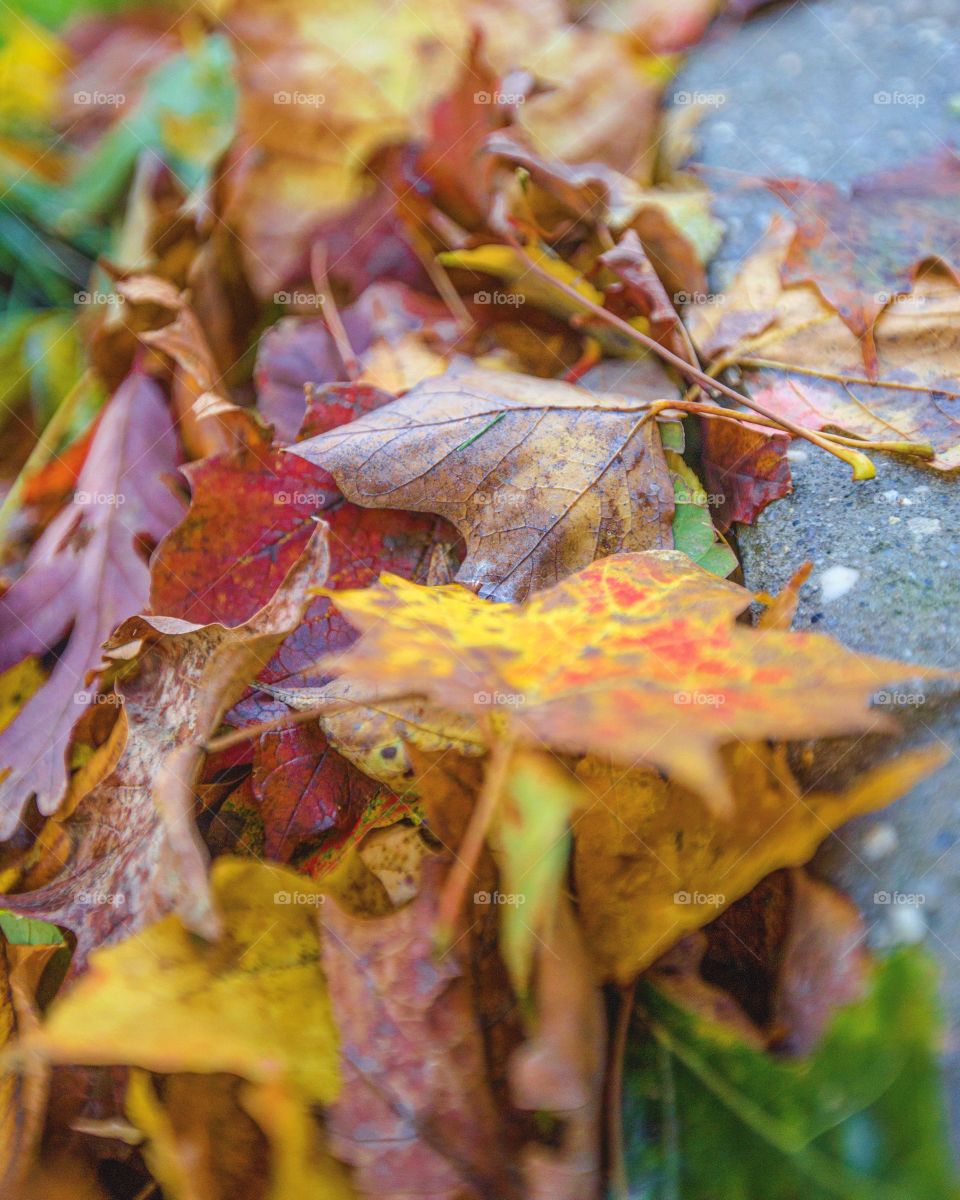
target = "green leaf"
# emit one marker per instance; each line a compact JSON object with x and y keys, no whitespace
{"x":708,"y":1117}
{"x":25,"y":931}
{"x":693,"y":530}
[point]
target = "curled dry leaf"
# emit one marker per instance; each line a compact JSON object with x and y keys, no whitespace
{"x":86,"y":573}
{"x":134,"y":852}
{"x":637,"y":658}
{"x":864,"y":249}
{"x":540,"y":477}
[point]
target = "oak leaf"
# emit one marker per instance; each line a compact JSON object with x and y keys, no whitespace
{"x":540,"y":477}
{"x":86,"y":573}
{"x":637,"y":658}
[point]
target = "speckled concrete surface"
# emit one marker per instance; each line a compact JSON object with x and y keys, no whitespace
{"x":832,"y":90}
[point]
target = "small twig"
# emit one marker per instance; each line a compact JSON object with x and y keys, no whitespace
{"x":468,"y":852}
{"x":837,"y":377}
{"x":331,"y":314}
{"x":287,"y":721}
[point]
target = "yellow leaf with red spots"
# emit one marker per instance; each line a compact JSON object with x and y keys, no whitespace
{"x":638,"y":658}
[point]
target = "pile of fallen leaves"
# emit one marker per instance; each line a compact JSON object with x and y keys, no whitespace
{"x":398,"y":795}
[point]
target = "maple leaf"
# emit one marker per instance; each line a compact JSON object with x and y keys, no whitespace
{"x":863,"y":249}
{"x":85,"y":574}
{"x":247,"y":1004}
{"x":540,"y":477}
{"x":636,"y":658}
{"x":802,"y":362}
{"x":744,"y":467}
{"x":132,"y":850}
{"x":649,"y":864}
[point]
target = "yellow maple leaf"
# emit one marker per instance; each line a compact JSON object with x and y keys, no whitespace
{"x":254,"y":1003}
{"x":638,"y":658}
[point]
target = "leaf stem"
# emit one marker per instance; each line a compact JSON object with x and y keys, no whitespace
{"x":861,"y":466}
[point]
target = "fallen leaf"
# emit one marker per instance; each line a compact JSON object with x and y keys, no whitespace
{"x":134,"y":852}
{"x":415,"y":1114}
{"x":560,"y":1069}
{"x":744,"y":467}
{"x":864,"y":249}
{"x":800,"y":360}
{"x":253,"y":1003}
{"x":86,"y":573}
{"x":767,"y":1128}
{"x":637,"y":658}
{"x":488,"y":451}
{"x":650,"y":865}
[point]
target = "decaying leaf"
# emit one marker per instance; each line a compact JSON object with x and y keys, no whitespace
{"x":864,"y":249}
{"x":416,"y":1113}
{"x":801,"y":361}
{"x":134,"y":852}
{"x":540,"y":477}
{"x":85,"y":575}
{"x":637,"y":658}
